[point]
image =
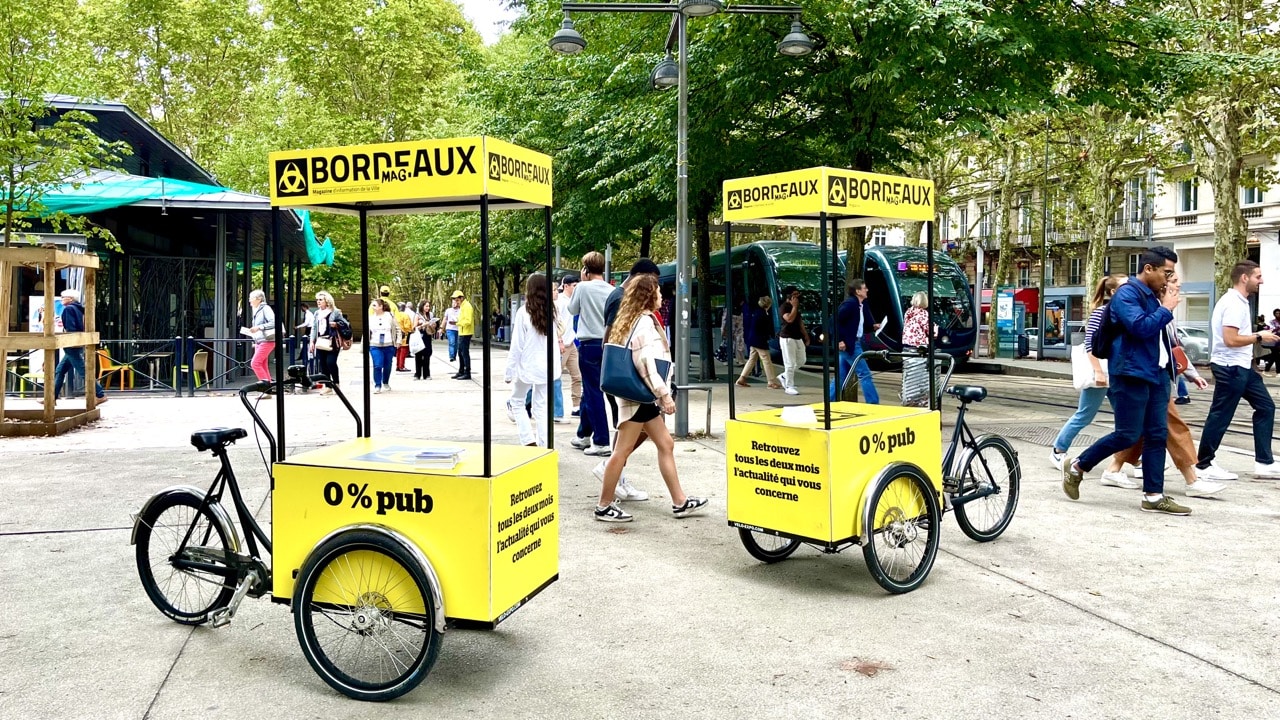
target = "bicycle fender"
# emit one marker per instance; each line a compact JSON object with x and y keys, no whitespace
{"x":970,"y":450}
{"x":881,"y":479}
{"x":411,"y":547}
{"x":195,"y":493}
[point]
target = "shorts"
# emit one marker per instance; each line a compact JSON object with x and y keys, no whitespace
{"x":645,"y":413}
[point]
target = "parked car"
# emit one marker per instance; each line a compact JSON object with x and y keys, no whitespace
{"x":1195,"y":343}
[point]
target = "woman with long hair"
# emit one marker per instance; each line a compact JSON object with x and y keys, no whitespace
{"x":637,"y":327}
{"x":325,"y":342}
{"x":426,"y":327}
{"x":527,"y":359}
{"x":264,"y":334}
{"x":383,"y":331}
{"x":1091,"y":397}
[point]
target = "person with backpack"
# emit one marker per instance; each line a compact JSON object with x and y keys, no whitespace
{"x":1091,"y":397}
{"x":326,"y":338}
{"x":1141,"y":371}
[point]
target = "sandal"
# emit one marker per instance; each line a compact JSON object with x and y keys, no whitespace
{"x":774,"y":386}
{"x":741,"y":383}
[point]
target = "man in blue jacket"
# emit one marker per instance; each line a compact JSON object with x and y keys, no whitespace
{"x":854,"y":322}
{"x":1141,"y":370}
{"x":72,"y":362}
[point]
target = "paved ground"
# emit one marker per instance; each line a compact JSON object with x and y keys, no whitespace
{"x":1082,"y":609}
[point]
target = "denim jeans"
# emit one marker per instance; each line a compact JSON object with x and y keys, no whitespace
{"x":1142,"y":412}
{"x":869,"y":394}
{"x":593,"y":418}
{"x":382,"y":357}
{"x":452,"y":336}
{"x":1230,"y":384}
{"x":72,"y":366}
{"x":1090,"y":401}
{"x":557,"y":403}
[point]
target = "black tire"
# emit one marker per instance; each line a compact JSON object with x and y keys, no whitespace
{"x":183,"y":595}
{"x":371,"y":590}
{"x":767,"y":548}
{"x":902,"y":544}
{"x":993,"y":463}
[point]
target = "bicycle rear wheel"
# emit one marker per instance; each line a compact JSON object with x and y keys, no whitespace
{"x":991,"y":467}
{"x":185,"y":595}
{"x":767,"y":548}
{"x":365,"y":616}
{"x":902,"y":542}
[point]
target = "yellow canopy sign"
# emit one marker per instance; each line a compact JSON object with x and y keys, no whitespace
{"x":805,"y":194}
{"x":451,"y":173}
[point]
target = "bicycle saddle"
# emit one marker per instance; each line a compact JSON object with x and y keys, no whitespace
{"x":209,"y":439}
{"x":968,"y":393}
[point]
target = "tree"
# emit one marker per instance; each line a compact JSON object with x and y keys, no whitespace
{"x":1229,"y":106}
{"x":41,"y":149}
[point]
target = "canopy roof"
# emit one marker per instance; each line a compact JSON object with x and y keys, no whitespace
{"x":847,"y":197}
{"x":104,"y":190}
{"x":418,"y":176}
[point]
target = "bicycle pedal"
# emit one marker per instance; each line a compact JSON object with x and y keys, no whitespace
{"x":220,"y":617}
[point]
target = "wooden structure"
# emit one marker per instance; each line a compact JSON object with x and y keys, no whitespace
{"x":48,"y":420}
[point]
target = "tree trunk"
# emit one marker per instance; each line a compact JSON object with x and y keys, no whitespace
{"x":706,"y":323}
{"x":913,"y":231}
{"x":855,"y":244}
{"x":1223,"y":159}
{"x":646,"y":239}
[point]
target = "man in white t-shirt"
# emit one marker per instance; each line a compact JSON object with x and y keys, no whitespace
{"x":1235,"y":377}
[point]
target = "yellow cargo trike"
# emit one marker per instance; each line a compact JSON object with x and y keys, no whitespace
{"x":838,"y":473}
{"x":380,"y":544}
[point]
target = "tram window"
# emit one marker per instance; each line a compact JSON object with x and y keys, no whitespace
{"x":879,"y":296}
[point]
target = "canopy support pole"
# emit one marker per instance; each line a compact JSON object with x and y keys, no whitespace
{"x":933,"y":381}
{"x":486,"y":379}
{"x":552,"y":333}
{"x":364,"y":305}
{"x":825,"y":288}
{"x":728,"y":308}
{"x":277,"y":269}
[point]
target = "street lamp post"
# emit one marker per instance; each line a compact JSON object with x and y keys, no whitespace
{"x":568,"y":41}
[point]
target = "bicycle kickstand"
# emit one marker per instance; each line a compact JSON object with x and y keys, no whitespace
{"x":222,"y":616}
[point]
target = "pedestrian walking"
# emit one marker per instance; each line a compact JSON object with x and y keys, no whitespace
{"x":1234,"y":377}
{"x":793,"y":337}
{"x":569,"y":358}
{"x":854,"y":322}
{"x":451,"y":315}
{"x":383,"y":336}
{"x":1090,"y":397}
{"x":588,"y":303}
{"x":405,"y":324}
{"x":326,"y":341}
{"x":1141,"y":370}
{"x":1272,"y":359}
{"x":527,"y":360}
{"x":761,"y":332}
{"x":466,"y":329}
{"x":263,"y":331}
{"x":636,"y":326}
{"x":426,"y":330}
{"x":71,"y":364}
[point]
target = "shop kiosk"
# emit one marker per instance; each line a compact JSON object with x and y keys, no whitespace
{"x":836,"y":474}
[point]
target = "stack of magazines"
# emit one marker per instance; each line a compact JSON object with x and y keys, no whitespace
{"x":445,"y":456}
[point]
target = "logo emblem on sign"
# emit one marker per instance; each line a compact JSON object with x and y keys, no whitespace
{"x":291,"y":178}
{"x":735,"y":199}
{"x":838,"y":191}
{"x":495,"y":167}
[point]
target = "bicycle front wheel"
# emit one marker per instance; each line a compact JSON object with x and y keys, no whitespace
{"x":902,"y":542}
{"x":177,"y":528}
{"x":365,"y":616}
{"x":767,"y":548}
{"x":993,"y":470}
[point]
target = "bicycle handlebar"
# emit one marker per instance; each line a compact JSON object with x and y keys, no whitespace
{"x":298,"y":377}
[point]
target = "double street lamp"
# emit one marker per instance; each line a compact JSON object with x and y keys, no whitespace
{"x":668,"y":73}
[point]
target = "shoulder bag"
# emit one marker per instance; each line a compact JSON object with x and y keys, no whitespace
{"x":1082,"y":368}
{"x":618,"y":374}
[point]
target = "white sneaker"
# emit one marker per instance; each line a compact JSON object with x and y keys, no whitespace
{"x":1214,"y":473}
{"x":1056,"y":458}
{"x":511,"y":413}
{"x":1134,"y":470}
{"x":1204,"y":488}
{"x":377,"y":391}
{"x":582,"y":443}
{"x":631,"y":491}
{"x":598,"y":472}
{"x":1226,"y":474}
{"x":791,"y":391}
{"x":1268,"y":471}
{"x":782,"y":378}
{"x":1118,"y":479}
{"x":598,"y":451}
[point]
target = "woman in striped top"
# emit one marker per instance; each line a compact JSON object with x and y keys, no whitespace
{"x":1091,"y":397}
